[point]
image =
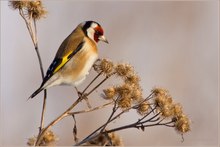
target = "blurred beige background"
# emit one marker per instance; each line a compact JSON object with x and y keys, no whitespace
{"x":171,"y":44}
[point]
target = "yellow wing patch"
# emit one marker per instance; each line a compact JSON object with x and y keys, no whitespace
{"x":64,"y":60}
{"x":68,"y":57}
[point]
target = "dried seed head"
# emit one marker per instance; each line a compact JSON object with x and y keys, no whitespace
{"x":143,"y":108}
{"x":162,"y":97}
{"x":164,"y":102}
{"x":124,"y":89}
{"x":48,"y":139}
{"x":31,"y":141}
{"x":105,"y":66}
{"x":132,"y":78}
{"x":136,"y":94}
{"x":160,"y":101}
{"x":125,"y":102}
{"x":128,"y":94}
{"x":36,"y":9}
{"x":182,"y":123}
{"x":18,"y":4}
{"x":159,"y":91}
{"x":115,"y":139}
{"x":110,"y":139}
{"x":123,"y":70}
{"x":166,"y":110}
{"x":109,"y":92}
{"x":31,"y":9}
{"x":177,"y":110}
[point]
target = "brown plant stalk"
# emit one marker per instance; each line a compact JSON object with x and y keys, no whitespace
{"x":95,"y":133}
{"x":26,"y":12}
{"x":30,"y":11}
{"x":67,"y":112}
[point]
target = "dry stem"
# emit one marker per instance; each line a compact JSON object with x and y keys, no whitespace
{"x":91,"y":109}
{"x":32,"y":29}
{"x":66,"y":113}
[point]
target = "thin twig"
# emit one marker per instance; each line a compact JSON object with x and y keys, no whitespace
{"x":146,"y":115}
{"x":135,"y":125}
{"x":94,"y":134}
{"x":91,"y":82}
{"x":151,"y":118}
{"x":33,"y":33}
{"x":114,"y":109}
{"x":98,"y":85}
{"x":65,"y":113}
{"x":27,"y":22}
{"x":42,"y":75}
{"x":90,"y":110}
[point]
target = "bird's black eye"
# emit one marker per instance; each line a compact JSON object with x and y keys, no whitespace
{"x":97,"y":33}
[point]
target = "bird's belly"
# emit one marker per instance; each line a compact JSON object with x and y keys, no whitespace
{"x":75,"y":71}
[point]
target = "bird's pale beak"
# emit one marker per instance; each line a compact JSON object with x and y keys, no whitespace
{"x":102,"y":38}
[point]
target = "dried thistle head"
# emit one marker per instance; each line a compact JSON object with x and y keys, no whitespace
{"x":36,"y":9}
{"x":124,"y":89}
{"x":159,"y":91}
{"x":125,"y":102}
{"x":143,"y":108}
{"x":48,"y":139}
{"x":115,"y":139}
{"x":132,"y":78}
{"x":18,"y":4}
{"x":31,"y":141}
{"x":105,"y":66}
{"x":136,"y":93}
{"x":111,"y":139}
{"x":30,"y":9}
{"x":164,"y":102}
{"x":166,"y":110}
{"x":123,"y":69}
{"x":182,"y":123}
{"x":109,"y":93}
{"x":177,"y":109}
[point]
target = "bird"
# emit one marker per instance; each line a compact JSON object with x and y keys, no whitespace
{"x":75,"y":57}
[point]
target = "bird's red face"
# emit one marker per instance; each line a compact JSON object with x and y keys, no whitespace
{"x":94,"y":31}
{"x":98,"y":33}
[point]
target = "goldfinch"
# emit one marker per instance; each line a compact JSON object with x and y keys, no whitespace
{"x":75,"y":57}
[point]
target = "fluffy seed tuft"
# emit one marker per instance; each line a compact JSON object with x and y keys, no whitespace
{"x":182,"y":123}
{"x":143,"y":108}
{"x":111,"y":139}
{"x":18,"y":4}
{"x":36,"y":9}
{"x":31,"y":9}
{"x":109,"y":93}
{"x":123,"y":69}
{"x":105,"y":66}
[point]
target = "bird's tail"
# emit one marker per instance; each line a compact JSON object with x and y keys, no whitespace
{"x":36,"y":92}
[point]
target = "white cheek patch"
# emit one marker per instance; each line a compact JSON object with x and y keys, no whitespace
{"x":91,"y":31}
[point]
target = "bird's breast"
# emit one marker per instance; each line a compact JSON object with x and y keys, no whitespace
{"x":75,"y":70}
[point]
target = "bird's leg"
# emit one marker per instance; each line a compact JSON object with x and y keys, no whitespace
{"x":80,"y":94}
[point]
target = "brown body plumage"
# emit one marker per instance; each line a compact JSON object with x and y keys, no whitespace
{"x":75,"y":57}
